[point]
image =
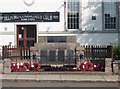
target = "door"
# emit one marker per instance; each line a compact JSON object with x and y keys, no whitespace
{"x":26,"y":35}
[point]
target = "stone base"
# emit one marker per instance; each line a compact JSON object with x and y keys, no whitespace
{"x":78,"y":64}
{"x":7,"y":66}
{"x":108,"y":70}
{"x":108,"y":66}
{"x":116,"y":68}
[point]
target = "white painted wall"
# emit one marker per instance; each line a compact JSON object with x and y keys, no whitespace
{"x":5,"y":39}
{"x":97,"y":39}
{"x":38,"y":6}
{"x":8,"y":30}
{"x":7,"y":34}
{"x":7,"y":27}
{"x":110,"y":8}
{"x":90,"y":9}
{"x":51,"y":6}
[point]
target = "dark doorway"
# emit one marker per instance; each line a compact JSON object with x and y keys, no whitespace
{"x":26,"y":35}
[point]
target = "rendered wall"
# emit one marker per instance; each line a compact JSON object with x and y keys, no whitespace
{"x":8,"y":30}
{"x":90,"y":9}
{"x":38,"y":6}
{"x":97,"y":38}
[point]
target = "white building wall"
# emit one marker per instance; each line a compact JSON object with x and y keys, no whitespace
{"x":7,"y":27}
{"x":97,"y":38}
{"x":90,"y":9}
{"x":38,"y":6}
{"x":110,"y":8}
{"x":7,"y":34}
{"x":8,"y":30}
{"x":5,"y":39}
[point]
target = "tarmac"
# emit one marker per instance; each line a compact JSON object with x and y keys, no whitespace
{"x":61,"y":76}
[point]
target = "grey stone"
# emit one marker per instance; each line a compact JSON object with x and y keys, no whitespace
{"x":7,"y":66}
{"x":115,"y":68}
{"x":108,"y":66}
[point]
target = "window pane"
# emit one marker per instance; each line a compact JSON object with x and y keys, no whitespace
{"x":93,"y":17}
{"x":114,"y":26}
{"x":106,"y":26}
{"x":56,"y":39}
{"x":107,"y":15}
{"x":30,"y":43}
{"x":30,"y":30}
{"x":110,"y":22}
{"x":21,"y":31}
{"x":114,"y":19}
{"x":109,"y":26}
{"x":21,"y":43}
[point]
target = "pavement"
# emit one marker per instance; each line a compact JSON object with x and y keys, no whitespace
{"x":60,"y":77}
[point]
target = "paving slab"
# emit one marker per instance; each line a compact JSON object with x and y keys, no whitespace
{"x":26,"y":77}
{"x":47,"y":77}
{"x":11,"y":77}
{"x":112,"y":78}
{"x":1,"y":68}
{"x":94,"y":78}
{"x":82,"y":77}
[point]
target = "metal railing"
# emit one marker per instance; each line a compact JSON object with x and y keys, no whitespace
{"x":15,"y":52}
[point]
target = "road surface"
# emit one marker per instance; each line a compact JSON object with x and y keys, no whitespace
{"x":57,"y":84}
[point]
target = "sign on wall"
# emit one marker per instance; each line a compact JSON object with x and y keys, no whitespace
{"x":30,"y":17}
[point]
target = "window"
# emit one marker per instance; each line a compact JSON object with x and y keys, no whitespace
{"x":93,"y":17}
{"x":59,"y":39}
{"x":73,"y":14}
{"x":110,"y":22}
{"x":26,"y":35}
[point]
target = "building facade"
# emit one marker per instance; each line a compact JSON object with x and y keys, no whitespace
{"x":90,"y":22}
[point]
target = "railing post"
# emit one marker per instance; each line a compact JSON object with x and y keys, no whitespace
{"x":109,"y":51}
{"x":20,"y":53}
{"x":4,"y":53}
{"x":86,"y":52}
{"x":24,"y":52}
{"x":92,"y":53}
{"x":29,"y":52}
{"x":89,"y":51}
{"x":3,"y":50}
